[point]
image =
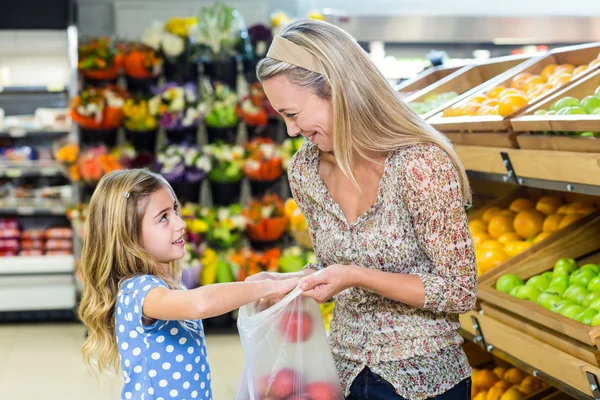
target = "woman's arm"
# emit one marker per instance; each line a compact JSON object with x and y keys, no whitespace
{"x":211,"y":300}
{"x":432,"y":195}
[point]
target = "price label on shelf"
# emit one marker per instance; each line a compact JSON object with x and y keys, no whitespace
{"x":23,"y":210}
{"x":17,"y":132}
{"x":13,"y":173}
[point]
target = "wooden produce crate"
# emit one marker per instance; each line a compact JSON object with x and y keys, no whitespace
{"x":424,"y":79}
{"x":532,"y":124}
{"x":496,"y":130}
{"x":580,"y":241}
{"x":468,"y":79}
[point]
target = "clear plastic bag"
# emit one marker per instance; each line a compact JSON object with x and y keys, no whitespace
{"x":286,"y":355}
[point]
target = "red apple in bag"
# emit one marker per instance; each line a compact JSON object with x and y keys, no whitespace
{"x":322,"y":391}
{"x":296,"y":326}
{"x":284,"y":384}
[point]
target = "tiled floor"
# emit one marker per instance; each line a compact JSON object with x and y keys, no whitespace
{"x":42,"y":361}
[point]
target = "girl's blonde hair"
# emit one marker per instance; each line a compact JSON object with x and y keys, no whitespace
{"x":112,"y":252}
{"x":368,"y":115}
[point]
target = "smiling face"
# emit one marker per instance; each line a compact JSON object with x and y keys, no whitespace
{"x":303,"y":111}
{"x":163,"y":228}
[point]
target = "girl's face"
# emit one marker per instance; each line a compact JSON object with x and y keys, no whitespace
{"x":303,"y":111}
{"x":163,"y":228}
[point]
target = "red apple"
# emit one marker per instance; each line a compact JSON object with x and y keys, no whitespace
{"x":262,"y":385}
{"x":296,"y":326}
{"x":284,"y":384}
{"x":322,"y":391}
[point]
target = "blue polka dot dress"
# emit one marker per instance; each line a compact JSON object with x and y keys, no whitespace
{"x":162,"y":361}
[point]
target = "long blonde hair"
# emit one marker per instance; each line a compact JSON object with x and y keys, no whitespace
{"x":112,"y":252}
{"x":368,"y":115}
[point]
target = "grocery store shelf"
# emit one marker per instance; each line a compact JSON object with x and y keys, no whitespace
{"x":31,"y":169}
{"x":21,"y":133}
{"x":37,"y":292}
{"x":552,"y":170}
{"x":27,"y":265}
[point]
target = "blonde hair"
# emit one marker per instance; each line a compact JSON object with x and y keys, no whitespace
{"x":112,"y":252}
{"x":368,"y":115}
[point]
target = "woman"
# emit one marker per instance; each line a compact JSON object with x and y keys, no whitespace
{"x":384,"y":195}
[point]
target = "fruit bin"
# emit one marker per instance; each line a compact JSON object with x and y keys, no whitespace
{"x":467,"y":79}
{"x":486,"y":129}
{"x":424,"y":79}
{"x":532,"y":124}
{"x":578,"y":241}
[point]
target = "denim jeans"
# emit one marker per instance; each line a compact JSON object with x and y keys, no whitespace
{"x":370,"y":386}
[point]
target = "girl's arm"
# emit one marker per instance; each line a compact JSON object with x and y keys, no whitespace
{"x":212,"y":300}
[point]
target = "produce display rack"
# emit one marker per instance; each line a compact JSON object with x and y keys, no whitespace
{"x":34,"y":288}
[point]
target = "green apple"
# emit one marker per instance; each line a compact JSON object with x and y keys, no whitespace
{"x":548,"y":300}
{"x":571,"y":311}
{"x":507,"y":282}
{"x":587,"y":134}
{"x":590,"y":103}
{"x":595,"y":305}
{"x":558,"y":307}
{"x":565,"y":266}
{"x":562,"y":111}
{"x":576,"y":293}
{"x":597,"y":91}
{"x":590,"y":298}
{"x":596,"y":111}
{"x":582,"y":277}
{"x":560,"y":280}
{"x":548,"y":275}
{"x":575,"y":111}
{"x":539,"y":281}
{"x":594,"y":284}
{"x":541,"y":112}
{"x":596,"y":320}
{"x":530,"y":293}
{"x":593,"y":267}
{"x":558,"y":289}
{"x":586,"y":316}
{"x":565,"y":102}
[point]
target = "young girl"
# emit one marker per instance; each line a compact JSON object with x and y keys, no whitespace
{"x":133,"y":305}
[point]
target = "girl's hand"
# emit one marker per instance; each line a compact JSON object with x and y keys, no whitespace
{"x":280,"y":288}
{"x":328,"y":282}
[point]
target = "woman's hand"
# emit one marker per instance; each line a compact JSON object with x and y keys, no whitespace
{"x":328,"y":282}
{"x":282,"y":285}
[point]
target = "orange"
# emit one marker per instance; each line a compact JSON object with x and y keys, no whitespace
{"x":562,"y":209}
{"x":490,"y":102}
{"x":502,"y":385}
{"x":491,"y":258}
{"x":506,"y":238}
{"x":511,"y":104}
{"x":495,"y":92}
{"x":509,"y":213}
{"x":593,"y":63}
{"x":451,"y":112}
{"x":468,"y":109}
{"x":492,"y":244}
{"x":500,"y":224}
{"x":560,"y":79}
{"x":514,"y":248}
{"x":508,"y":92}
{"x":548,"y":204}
{"x":552,"y":222}
{"x":580,"y":70}
{"x":487,"y":110}
{"x":477,"y":225}
{"x":569,"y":219}
{"x":567,"y":68}
{"x":528,"y":223}
{"x":548,"y":70}
{"x":512,"y":394}
{"x":519,"y":80}
{"x":521,"y":204}
{"x":478,"y":99}
{"x":533,"y":382}
{"x":290,"y":206}
{"x":532,"y":81}
{"x":542,"y":236}
{"x":489,"y":213}
{"x":481,"y":395}
{"x":574,"y":207}
{"x":480,"y":237}
{"x":494,"y":393}
{"x":499,"y":372}
{"x":485,"y":379}
{"x":514,"y":376}
{"x":539,"y":90}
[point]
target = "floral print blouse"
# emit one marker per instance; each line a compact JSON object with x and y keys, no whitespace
{"x":417,"y":225}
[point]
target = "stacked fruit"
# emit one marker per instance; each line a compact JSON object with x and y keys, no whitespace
{"x":502,"y":234}
{"x":589,"y":105}
{"x":503,"y":384}
{"x":432,"y":102}
{"x":567,"y":290}
{"x":524,"y":87}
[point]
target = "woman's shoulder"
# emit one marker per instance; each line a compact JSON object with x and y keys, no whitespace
{"x":307,"y":155}
{"x":421,"y":156}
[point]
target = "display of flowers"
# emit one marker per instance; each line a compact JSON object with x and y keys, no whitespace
{"x":263,"y":161}
{"x":251,"y":112}
{"x":98,"y":108}
{"x":137,"y":116}
{"x":298,"y":226}
{"x":129,"y":157}
{"x":218,"y":30}
{"x":177,"y":106}
{"x":222,"y":108}
{"x":294,"y":258}
{"x":172,"y":38}
{"x":77,"y":214}
{"x":249,"y":262}
{"x":265,"y":218}
{"x":289,"y":148}
{"x":99,"y":59}
{"x":142,"y":61}
{"x":223,"y":227}
{"x":226,"y":162}
{"x":259,"y":99}
{"x":94,"y":163}
{"x":183,"y":163}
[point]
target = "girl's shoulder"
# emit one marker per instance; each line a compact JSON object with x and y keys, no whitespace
{"x":141,"y":282}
